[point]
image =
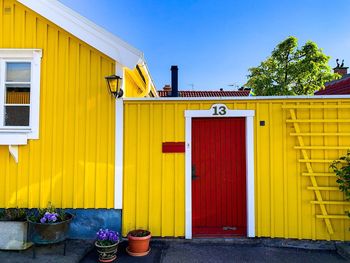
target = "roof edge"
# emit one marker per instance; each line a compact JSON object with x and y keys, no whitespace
{"x":153,"y":86}
{"x":87,"y":31}
{"x":332,"y":82}
{"x":241,"y":98}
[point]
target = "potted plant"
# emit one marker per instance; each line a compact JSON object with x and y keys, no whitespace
{"x":48,"y":225}
{"x":341,"y":168}
{"x":13,"y":229}
{"x":138,"y":242}
{"x":107,"y":245}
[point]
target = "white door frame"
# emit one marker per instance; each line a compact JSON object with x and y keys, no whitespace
{"x":220,"y":111}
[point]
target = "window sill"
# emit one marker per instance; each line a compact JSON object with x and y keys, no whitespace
{"x":15,"y":130}
{"x":13,"y":138}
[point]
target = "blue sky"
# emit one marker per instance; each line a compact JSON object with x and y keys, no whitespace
{"x":215,"y":42}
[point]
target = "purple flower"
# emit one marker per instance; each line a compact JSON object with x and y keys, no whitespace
{"x":49,"y":218}
{"x":107,"y":237}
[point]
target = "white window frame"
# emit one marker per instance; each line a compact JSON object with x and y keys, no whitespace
{"x":20,"y":135}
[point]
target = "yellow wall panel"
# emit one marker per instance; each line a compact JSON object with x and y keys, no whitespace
{"x":72,"y":163}
{"x":138,"y":83}
{"x":154,"y":182}
{"x":134,"y":84}
{"x":155,"y":211}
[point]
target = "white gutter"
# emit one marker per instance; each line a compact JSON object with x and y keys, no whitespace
{"x":89,"y":32}
{"x":317,"y":97}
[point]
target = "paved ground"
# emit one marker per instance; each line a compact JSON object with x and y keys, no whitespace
{"x":174,"y":252}
{"x":75,"y":251}
{"x":233,"y":253}
{"x":179,"y":250}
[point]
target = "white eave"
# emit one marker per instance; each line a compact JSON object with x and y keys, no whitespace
{"x":87,"y":31}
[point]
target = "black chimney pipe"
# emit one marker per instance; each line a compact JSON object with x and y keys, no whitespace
{"x":174,"y":81}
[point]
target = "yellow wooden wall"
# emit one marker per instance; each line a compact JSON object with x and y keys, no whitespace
{"x":72,"y":164}
{"x":154,"y":190}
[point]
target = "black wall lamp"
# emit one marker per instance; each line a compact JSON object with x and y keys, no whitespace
{"x":114,"y":83}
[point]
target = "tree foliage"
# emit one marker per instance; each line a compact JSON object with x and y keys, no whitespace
{"x":291,"y":70}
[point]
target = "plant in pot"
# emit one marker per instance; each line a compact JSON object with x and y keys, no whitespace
{"x":13,"y":229}
{"x":138,"y":242}
{"x":107,"y":245}
{"x":341,"y":168}
{"x":48,"y":225}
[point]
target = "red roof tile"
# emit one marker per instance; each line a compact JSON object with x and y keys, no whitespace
{"x":337,"y":87}
{"x":239,"y":93}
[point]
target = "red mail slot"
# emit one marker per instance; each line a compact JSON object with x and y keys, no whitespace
{"x":173,"y":147}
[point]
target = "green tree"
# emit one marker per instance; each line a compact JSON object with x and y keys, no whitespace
{"x":291,"y":70}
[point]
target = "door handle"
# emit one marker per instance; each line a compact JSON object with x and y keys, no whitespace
{"x":194,"y":176}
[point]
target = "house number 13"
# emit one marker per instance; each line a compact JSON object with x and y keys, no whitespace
{"x":221,"y":110}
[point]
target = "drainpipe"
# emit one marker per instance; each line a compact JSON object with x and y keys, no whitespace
{"x":119,"y":140}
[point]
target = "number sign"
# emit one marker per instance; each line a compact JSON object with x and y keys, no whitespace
{"x":219,"y":110}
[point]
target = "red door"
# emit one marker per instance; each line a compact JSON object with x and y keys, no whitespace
{"x":218,"y":177}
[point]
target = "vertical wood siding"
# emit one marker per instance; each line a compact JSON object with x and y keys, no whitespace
{"x":219,"y":191}
{"x":154,"y":182}
{"x":72,"y":164}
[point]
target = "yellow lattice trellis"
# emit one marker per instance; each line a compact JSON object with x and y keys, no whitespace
{"x":308,"y":161}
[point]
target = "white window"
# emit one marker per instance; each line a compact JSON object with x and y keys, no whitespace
{"x":19,"y":95}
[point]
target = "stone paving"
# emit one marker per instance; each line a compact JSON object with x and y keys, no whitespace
{"x":180,"y":250}
{"x":238,"y":253}
{"x":236,"y":250}
{"x":75,"y":251}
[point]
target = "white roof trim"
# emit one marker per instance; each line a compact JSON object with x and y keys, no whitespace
{"x":318,"y":97}
{"x":87,"y":31}
{"x":144,"y":64}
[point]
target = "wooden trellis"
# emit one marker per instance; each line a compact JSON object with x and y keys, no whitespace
{"x":311,"y":173}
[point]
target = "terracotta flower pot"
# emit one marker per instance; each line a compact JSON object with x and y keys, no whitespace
{"x":138,"y":245}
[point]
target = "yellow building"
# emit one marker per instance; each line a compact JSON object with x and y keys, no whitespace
{"x":256,"y":167}
{"x":57,"y":128}
{"x":178,"y":170}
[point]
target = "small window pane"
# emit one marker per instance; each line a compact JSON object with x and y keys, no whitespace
{"x":17,"y":94}
{"x":17,"y":72}
{"x":16,"y":115}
